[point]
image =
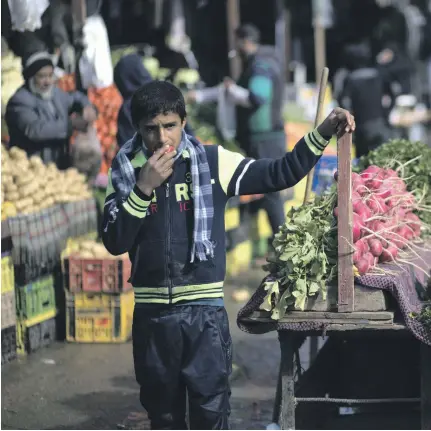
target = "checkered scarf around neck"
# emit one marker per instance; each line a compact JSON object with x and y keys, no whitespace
{"x":123,"y":181}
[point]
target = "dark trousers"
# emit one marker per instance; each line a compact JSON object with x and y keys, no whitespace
{"x":273,"y":204}
{"x":183,"y":349}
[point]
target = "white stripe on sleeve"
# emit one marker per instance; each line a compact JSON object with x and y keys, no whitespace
{"x":238,"y":181}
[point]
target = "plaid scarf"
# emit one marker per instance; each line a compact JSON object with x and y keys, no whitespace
{"x":123,"y":181}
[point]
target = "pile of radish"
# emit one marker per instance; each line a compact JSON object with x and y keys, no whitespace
{"x":383,"y":220}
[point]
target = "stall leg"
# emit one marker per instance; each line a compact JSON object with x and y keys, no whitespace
{"x":277,"y":401}
{"x":426,"y":386}
{"x":287,"y":410}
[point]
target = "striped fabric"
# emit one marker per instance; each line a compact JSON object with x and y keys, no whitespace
{"x":123,"y":181}
{"x":160,"y":295}
{"x":315,"y":142}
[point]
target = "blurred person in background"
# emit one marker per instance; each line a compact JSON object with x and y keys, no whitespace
{"x":129,"y":75}
{"x":41,"y":118}
{"x":25,"y":26}
{"x":167,"y":57}
{"x":362,"y":94}
{"x":95,"y":66}
{"x":425,"y":50}
{"x":393,"y":60}
{"x":258,"y":96}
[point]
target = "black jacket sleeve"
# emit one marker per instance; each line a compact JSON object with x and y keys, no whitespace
{"x":272,"y":175}
{"x":123,"y":220}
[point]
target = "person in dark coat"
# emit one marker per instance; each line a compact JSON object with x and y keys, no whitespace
{"x":362,"y":94}
{"x":129,"y":75}
{"x":258,"y":96}
{"x":39,"y":115}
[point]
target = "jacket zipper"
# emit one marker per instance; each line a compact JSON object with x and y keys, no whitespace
{"x":168,"y":245}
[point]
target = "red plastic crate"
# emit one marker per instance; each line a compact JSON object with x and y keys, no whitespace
{"x":97,"y":275}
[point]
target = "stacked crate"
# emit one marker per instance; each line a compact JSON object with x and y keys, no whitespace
{"x":36,"y":311}
{"x":8,"y":316}
{"x":99,"y":299}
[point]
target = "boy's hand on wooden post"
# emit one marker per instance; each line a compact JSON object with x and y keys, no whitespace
{"x":338,"y":122}
{"x":158,"y":168}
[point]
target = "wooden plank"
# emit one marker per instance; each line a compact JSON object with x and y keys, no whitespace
{"x":347,"y":326}
{"x":366,"y":299}
{"x":346,"y":297}
{"x":310,"y":315}
{"x":425,"y":387}
{"x":317,"y":121}
{"x":277,"y":400}
{"x":233,"y":22}
{"x":79,"y":16}
{"x":346,"y":317}
{"x":287,"y":409}
{"x":323,"y":322}
{"x":280,"y":33}
{"x":370,"y":327}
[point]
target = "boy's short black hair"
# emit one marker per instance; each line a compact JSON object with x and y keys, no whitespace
{"x":154,"y":98}
{"x":248,"y":32}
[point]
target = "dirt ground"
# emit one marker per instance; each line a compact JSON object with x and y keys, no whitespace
{"x":76,"y":386}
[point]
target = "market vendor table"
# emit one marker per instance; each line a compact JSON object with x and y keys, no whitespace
{"x":335,"y":323}
{"x":354,"y":306}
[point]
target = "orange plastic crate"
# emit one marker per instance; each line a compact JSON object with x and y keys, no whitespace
{"x":97,"y":275}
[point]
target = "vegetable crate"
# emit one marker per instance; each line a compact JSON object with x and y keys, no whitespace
{"x":8,"y":312}
{"x":97,"y":275}
{"x":8,"y":344}
{"x":99,"y":318}
{"x":36,"y":299}
{"x":7,"y":275}
{"x":34,"y":336}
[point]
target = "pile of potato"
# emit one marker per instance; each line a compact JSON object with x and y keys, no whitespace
{"x":89,"y":249}
{"x":28,"y":185}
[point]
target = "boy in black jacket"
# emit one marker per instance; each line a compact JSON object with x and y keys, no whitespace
{"x":165,"y":206}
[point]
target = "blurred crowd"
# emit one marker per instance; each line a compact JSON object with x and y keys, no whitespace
{"x":380,"y":72}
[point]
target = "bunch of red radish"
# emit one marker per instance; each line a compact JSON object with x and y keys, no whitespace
{"x":383,"y":221}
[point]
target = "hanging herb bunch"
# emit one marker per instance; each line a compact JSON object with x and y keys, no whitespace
{"x":305,"y":257}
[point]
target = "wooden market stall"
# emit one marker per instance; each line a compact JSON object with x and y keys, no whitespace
{"x":350,"y":310}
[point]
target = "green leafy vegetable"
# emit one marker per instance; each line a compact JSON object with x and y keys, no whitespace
{"x":424,"y":317}
{"x":305,"y":256}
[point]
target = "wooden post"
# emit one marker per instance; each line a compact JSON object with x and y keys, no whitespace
{"x":277,"y":400}
{"x":317,"y":120}
{"x":425,"y":387}
{"x":346,"y":299}
{"x":233,"y":21}
{"x":79,"y":15}
{"x":319,"y":46}
{"x":280,"y":34}
{"x":320,"y":66}
{"x":158,"y":13}
{"x":288,"y":35}
{"x":287,"y":409}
